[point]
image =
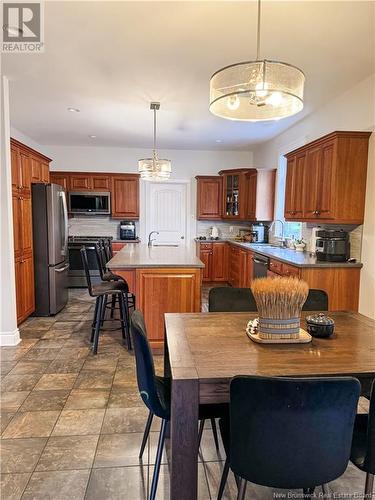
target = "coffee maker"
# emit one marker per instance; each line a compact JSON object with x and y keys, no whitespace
{"x":332,"y":245}
{"x":127,"y":230}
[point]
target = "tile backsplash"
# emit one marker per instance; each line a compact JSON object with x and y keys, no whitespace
{"x":96,"y":226}
{"x":226,"y":229}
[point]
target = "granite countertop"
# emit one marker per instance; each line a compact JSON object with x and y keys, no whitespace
{"x":287,"y":255}
{"x":142,"y":256}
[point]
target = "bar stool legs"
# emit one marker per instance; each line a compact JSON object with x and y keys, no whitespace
{"x":99,"y":318}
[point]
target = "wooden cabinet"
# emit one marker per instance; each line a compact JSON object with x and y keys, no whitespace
{"x":219,"y":268}
{"x":125,"y":196}
{"x":80,"y":182}
{"x":101,"y":183}
{"x":238,"y":264}
{"x":214,"y":258}
{"x":234,"y":193}
{"x":294,"y":188}
{"x":326,"y":179}
{"x":28,"y":166}
{"x":260,"y":195}
{"x":283,"y":269}
{"x":39,"y":170}
{"x":209,"y":197}
{"x":60,"y":179}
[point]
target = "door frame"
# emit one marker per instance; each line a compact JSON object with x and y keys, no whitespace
{"x":145,"y":199}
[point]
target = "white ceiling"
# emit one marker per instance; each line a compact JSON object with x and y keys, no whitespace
{"x":110,"y":59}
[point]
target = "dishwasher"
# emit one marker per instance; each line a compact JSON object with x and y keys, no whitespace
{"x":260,"y":266}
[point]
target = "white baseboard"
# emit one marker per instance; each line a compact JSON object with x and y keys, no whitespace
{"x":10,"y":338}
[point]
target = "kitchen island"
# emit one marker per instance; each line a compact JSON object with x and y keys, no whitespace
{"x":163,"y":279}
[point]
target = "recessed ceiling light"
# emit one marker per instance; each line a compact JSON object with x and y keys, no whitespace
{"x":219,"y":140}
{"x":74,"y":110}
{"x":92,"y":136}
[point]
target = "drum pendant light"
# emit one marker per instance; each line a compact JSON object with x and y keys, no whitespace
{"x":154,"y":168}
{"x":257,"y":90}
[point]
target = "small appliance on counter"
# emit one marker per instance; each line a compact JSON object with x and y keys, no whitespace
{"x":314,"y":237}
{"x":214,"y":233}
{"x":258,"y":231}
{"x":319,"y":325}
{"x":332,"y":245}
{"x":127,"y":230}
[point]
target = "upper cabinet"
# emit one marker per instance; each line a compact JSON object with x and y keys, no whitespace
{"x":60,"y":178}
{"x":234,"y":193}
{"x":209,"y":197}
{"x":241,"y":194}
{"x":260,"y":194}
{"x":125,"y":196}
{"x":28,"y":167}
{"x":326,"y":179}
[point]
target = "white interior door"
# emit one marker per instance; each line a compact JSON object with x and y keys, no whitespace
{"x":166,"y":212}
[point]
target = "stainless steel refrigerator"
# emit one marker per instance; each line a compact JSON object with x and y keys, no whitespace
{"x":50,"y":241}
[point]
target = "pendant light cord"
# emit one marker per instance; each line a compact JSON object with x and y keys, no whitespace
{"x":154,"y":131}
{"x":258,"y":32}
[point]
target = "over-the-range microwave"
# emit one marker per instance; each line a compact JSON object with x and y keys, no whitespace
{"x":90,"y":202}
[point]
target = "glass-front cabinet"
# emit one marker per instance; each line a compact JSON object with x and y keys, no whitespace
{"x":234,"y":193}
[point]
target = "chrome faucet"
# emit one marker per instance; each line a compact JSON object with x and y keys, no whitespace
{"x":282,"y":241}
{"x":151,"y":240}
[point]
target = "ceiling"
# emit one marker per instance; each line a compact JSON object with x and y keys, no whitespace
{"x":110,"y":59}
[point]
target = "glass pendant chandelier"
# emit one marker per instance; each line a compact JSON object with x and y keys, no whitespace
{"x":154,"y":168}
{"x":257,"y":90}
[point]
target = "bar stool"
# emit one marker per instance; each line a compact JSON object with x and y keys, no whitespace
{"x":101,"y":292}
{"x":105,"y":255}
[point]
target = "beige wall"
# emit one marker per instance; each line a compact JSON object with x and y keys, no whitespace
{"x":367,"y":290}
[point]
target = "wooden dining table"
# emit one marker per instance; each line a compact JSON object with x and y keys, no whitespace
{"x":204,"y":351}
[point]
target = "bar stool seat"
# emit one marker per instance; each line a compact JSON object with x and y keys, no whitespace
{"x":109,"y":288}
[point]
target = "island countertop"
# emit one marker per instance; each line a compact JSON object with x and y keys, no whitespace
{"x":142,"y":256}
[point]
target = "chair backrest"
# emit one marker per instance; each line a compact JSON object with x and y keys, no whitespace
{"x":370,"y":455}
{"x":228,"y":299}
{"x":317,"y":300}
{"x":291,"y":433}
{"x":145,"y":366}
{"x":108,"y":251}
{"x":86,"y":268}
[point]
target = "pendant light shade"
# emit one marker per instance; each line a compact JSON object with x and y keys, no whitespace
{"x":154,"y":168}
{"x":257,"y":90}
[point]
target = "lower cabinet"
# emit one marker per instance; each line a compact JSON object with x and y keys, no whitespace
{"x":214,"y":258}
{"x":24,"y":267}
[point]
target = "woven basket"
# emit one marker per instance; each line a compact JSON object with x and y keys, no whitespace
{"x":271,"y":328}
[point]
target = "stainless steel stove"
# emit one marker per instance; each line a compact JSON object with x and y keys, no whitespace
{"x":77,"y":277}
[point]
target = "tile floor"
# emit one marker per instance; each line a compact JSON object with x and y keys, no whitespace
{"x":72,"y":423}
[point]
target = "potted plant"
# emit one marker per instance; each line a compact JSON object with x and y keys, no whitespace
{"x":299,"y":245}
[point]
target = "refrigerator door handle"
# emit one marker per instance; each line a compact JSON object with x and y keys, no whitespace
{"x":62,"y":269}
{"x":65,"y":211}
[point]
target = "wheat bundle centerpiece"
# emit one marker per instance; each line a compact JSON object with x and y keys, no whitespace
{"x":279,"y":302}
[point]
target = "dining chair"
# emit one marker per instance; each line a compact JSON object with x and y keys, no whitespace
{"x":288,"y":433}
{"x":226,"y":299}
{"x":155,"y":392}
{"x":229,"y":299}
{"x":317,"y":300}
{"x":101,"y":292}
{"x":363,"y":445}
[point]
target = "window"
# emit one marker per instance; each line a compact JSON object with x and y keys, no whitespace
{"x":291,"y":229}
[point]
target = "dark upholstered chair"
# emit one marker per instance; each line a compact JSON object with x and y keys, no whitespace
{"x":101,"y":292}
{"x":317,"y":300}
{"x":289,"y":433}
{"x":228,"y":299}
{"x":156,"y":394}
{"x":363,"y":446}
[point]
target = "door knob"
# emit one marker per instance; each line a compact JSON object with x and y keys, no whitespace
{"x":182,"y":237}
